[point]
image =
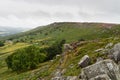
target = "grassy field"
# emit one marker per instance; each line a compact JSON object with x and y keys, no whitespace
{"x":7,"y":74}
{"x":47,"y":68}
{"x":68,"y":31}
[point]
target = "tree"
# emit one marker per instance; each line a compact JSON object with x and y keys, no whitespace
{"x":1,"y":44}
{"x":55,"y":49}
{"x":25,"y":59}
{"x":29,"y":57}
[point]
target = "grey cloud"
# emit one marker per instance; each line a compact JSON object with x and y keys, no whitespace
{"x":50,"y":2}
{"x":63,"y":15}
{"x":38,"y":12}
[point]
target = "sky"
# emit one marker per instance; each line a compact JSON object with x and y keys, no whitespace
{"x":33,"y":13}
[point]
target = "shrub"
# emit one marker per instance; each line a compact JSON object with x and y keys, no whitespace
{"x":81,"y":39}
{"x":1,"y":44}
{"x":25,"y":59}
{"x":28,"y":58}
{"x":54,"y":49}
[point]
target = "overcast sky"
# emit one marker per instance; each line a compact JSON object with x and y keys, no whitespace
{"x":33,"y":13}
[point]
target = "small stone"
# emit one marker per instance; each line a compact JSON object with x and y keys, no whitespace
{"x":99,"y":50}
{"x":108,"y":45}
{"x":85,"y":61}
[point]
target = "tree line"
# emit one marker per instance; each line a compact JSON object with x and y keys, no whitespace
{"x":28,"y":58}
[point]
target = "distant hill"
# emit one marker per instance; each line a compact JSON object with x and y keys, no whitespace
{"x":71,"y":31}
{"x":4,"y":31}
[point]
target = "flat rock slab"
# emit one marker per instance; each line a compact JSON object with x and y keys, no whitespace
{"x":105,"y":67}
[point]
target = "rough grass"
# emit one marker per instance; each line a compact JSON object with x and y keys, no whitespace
{"x":44,"y":69}
{"x":47,"y":69}
{"x":69,"y":31}
{"x":4,"y":52}
{"x":95,"y":35}
{"x":72,"y":59}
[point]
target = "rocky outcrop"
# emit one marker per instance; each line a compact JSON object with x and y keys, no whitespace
{"x":72,"y":78}
{"x":99,"y":59}
{"x":105,"y":49}
{"x":102,"y":70}
{"x":116,"y":52}
{"x":66,"y":78}
{"x":116,"y":47}
{"x":101,"y":77}
{"x":85,"y":61}
{"x":112,"y":53}
{"x":67,"y":47}
{"x":57,"y":75}
{"x":116,"y":56}
{"x":109,"y":45}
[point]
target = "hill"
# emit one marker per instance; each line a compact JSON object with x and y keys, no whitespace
{"x":92,"y":39}
{"x":7,"y":30}
{"x":70,"y":31}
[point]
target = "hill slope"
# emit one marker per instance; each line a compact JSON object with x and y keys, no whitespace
{"x":48,"y":69}
{"x":96,"y":36}
{"x":70,"y":31}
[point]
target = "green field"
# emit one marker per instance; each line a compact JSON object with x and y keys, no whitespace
{"x":46,"y":69}
{"x":68,"y":31}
